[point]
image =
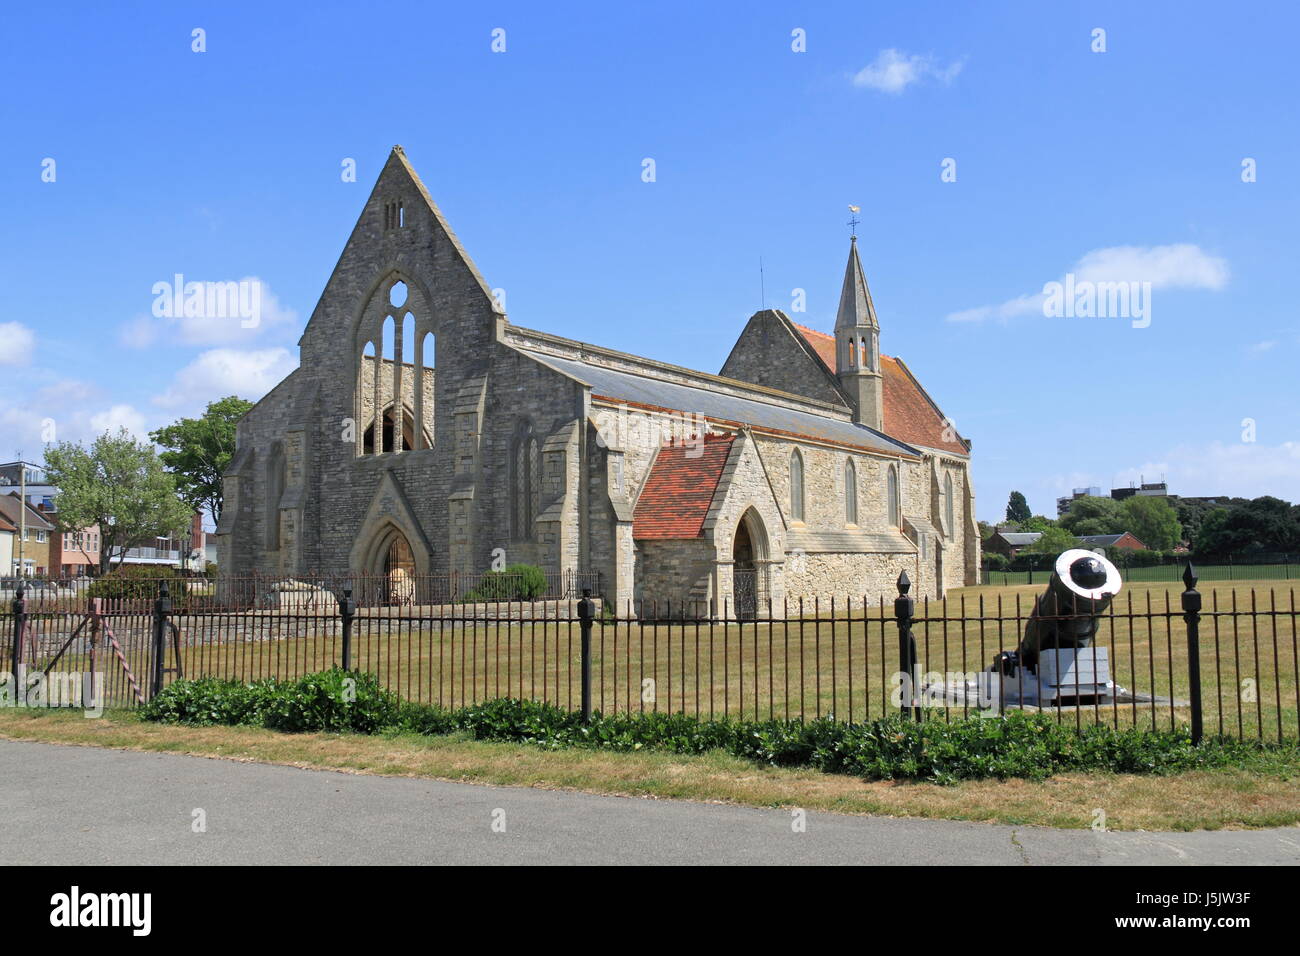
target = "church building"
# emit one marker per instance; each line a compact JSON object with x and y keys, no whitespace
{"x":424,"y":431}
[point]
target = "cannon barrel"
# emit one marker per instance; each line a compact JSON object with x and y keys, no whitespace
{"x":1079,"y":591}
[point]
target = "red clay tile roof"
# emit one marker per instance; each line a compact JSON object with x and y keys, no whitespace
{"x":910,"y":415}
{"x":823,"y":344}
{"x":5,"y":525}
{"x":680,"y":488}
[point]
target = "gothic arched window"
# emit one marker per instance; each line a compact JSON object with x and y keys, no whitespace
{"x":947,"y":505}
{"x":394,"y":400}
{"x":275,"y":477}
{"x":796,"y":486}
{"x":850,"y":492}
{"x":527,"y":491}
{"x":891,"y":496}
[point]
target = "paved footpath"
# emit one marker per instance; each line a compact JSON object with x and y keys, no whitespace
{"x":82,"y":805}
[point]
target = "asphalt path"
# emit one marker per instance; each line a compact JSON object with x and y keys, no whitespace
{"x":88,"y":806}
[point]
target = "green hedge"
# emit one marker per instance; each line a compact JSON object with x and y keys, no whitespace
{"x":333,"y":700}
{"x":1032,"y":746}
{"x":136,"y":582}
{"x":518,"y":582}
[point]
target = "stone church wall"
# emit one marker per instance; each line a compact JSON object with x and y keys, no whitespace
{"x":797,"y":373}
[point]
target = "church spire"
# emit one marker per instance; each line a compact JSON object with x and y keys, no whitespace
{"x":856,"y":308}
{"x":857,"y":345}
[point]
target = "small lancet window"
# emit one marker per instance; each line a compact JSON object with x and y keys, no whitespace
{"x":850,"y":492}
{"x":796,"y":486}
{"x":891,"y":496}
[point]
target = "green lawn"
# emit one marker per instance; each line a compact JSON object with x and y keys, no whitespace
{"x":762,"y":669}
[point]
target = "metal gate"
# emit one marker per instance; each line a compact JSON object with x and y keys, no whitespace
{"x":746,"y":591}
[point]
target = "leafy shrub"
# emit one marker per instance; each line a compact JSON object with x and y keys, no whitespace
{"x":208,"y":701}
{"x":995,"y":561}
{"x":518,"y":582}
{"x":136,"y":582}
{"x":333,"y":700}
{"x":1032,"y":746}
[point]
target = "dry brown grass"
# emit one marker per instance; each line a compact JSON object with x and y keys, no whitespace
{"x":1202,"y":800}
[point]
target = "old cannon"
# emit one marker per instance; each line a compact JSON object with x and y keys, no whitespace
{"x":1056,"y":660}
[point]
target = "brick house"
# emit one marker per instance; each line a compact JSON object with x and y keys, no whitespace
{"x":31,"y":554}
{"x":1011,"y":543}
{"x":1125,"y":541}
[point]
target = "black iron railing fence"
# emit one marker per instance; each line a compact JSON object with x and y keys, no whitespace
{"x":1226,"y":660}
{"x":1145,"y":567}
{"x":228,"y":594}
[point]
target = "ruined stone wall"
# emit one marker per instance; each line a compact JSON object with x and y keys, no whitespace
{"x":409,"y":376}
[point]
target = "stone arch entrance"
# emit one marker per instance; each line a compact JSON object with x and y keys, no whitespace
{"x":399,"y":570}
{"x":390,"y":567}
{"x":748,"y":556}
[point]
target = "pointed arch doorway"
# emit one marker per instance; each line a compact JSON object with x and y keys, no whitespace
{"x":748,"y":550}
{"x":399,"y":570}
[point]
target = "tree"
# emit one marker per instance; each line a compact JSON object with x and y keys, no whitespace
{"x":118,"y":485}
{"x":1212,"y":537}
{"x":197,"y":451}
{"x":1037,"y":523}
{"x":1097,"y":515}
{"x":1018,"y":508}
{"x":1153,"y":521}
{"x":1191,"y":512}
{"x":1262,"y":524}
{"x":1055,"y":540}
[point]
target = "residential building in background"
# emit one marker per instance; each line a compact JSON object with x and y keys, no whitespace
{"x":1011,"y":543}
{"x":31,"y":549}
{"x":1125,"y":541}
{"x":8,"y":537}
{"x":77,"y":553}
{"x":1155,"y":489}
{"x":1151,"y":489}
{"x":1063,"y":504}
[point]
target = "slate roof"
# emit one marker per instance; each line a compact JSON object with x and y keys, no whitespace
{"x":1019,"y":538}
{"x":910,"y":415}
{"x":680,"y":487}
{"x":9,"y":507}
{"x":625,"y":386}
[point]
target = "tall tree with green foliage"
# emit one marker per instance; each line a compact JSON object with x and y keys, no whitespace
{"x":1151,"y":520}
{"x":1018,"y":508}
{"x":1093,"y":515}
{"x":1055,"y":539}
{"x":1262,"y":524}
{"x":119,"y":485}
{"x":1037,"y":523}
{"x":197,"y":451}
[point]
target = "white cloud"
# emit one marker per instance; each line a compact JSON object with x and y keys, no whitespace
{"x":1177,"y":266}
{"x":1240,"y":469}
{"x":1259,"y":348}
{"x":17,"y":343}
{"x":893,"y":71}
{"x":145,"y":329}
{"x":119,"y":416}
{"x":217,"y":373}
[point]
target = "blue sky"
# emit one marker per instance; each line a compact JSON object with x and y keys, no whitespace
{"x":1123,"y":164}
